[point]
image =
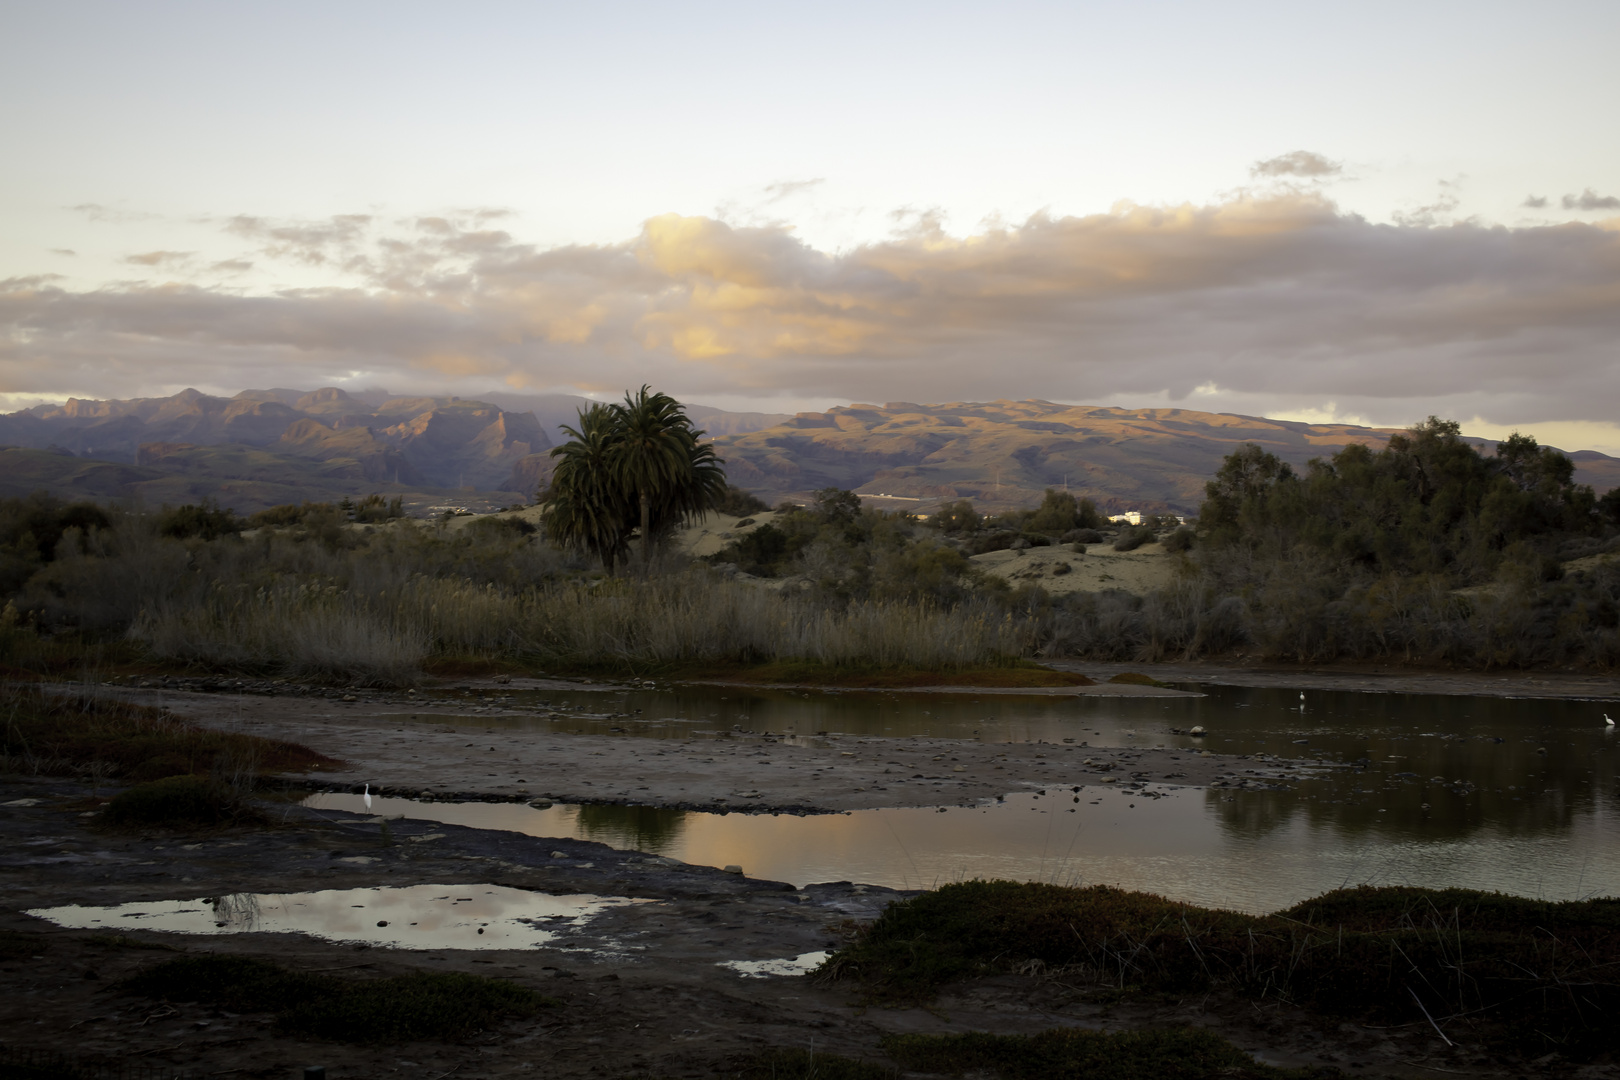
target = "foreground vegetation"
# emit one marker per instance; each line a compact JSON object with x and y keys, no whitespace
{"x":90,"y":734}
{"x":1524,"y":976}
{"x":421,"y":1005}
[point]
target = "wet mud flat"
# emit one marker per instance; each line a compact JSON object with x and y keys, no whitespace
{"x":638,"y":989}
{"x":391,"y":742}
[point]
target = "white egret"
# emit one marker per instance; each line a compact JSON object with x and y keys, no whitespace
{"x":368,"y":796}
{"x":1606,"y":721}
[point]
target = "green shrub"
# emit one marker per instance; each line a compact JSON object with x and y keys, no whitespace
{"x":739,"y":503}
{"x":206,"y":520}
{"x":956,"y":518}
{"x":1134,"y":537}
{"x":1529,"y":976}
{"x":420,"y":1005}
{"x":1180,"y":540}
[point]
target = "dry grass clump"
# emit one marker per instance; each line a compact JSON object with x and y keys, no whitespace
{"x":1524,"y":975}
{"x":669,"y":619}
{"x":178,"y":802}
{"x":296,"y":631}
{"x":66,"y":734}
{"x":421,"y":1005}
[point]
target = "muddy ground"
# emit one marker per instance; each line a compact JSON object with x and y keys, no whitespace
{"x":639,"y":989}
{"x":389,"y":742}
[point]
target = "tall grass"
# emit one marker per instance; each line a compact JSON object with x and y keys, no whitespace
{"x":684,"y":617}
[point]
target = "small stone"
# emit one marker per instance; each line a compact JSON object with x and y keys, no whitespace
{"x":731,"y":868}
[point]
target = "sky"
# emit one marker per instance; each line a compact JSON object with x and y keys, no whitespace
{"x":1363,"y":213}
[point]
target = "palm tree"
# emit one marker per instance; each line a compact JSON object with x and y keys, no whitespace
{"x":585,"y":509}
{"x":658,"y":462}
{"x":637,"y":463}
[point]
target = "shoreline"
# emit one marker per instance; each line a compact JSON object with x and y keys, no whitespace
{"x":1370,"y":678}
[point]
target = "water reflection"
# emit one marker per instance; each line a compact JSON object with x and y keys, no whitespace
{"x":638,"y":828}
{"x":1170,"y":844}
{"x":412,"y":917}
{"x":1495,"y":792}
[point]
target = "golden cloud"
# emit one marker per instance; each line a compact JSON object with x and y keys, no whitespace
{"x":1281,"y":295}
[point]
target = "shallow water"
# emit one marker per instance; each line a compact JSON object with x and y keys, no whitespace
{"x":411,"y":917}
{"x":760,"y":969}
{"x":1494,"y":793}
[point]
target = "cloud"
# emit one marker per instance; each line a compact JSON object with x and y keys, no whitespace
{"x":232,"y":266}
{"x":1590,"y":200}
{"x":316,"y":243}
{"x":159,"y":258}
{"x":1270,"y":303}
{"x":1298,"y":163}
{"x":786,"y":189}
{"x":1534,"y":202}
{"x":110,"y":214}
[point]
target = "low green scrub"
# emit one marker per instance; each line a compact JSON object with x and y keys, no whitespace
{"x":1071,"y":1054}
{"x":177,"y":802}
{"x":1132,"y":538}
{"x":421,"y":1005}
{"x":71,"y":734}
{"x":1528,"y":976}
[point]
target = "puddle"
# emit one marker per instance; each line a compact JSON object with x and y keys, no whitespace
{"x":802,"y":964}
{"x":410,"y":917}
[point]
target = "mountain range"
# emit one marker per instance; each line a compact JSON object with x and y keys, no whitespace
{"x":1004,"y":454}
{"x":263,"y":447}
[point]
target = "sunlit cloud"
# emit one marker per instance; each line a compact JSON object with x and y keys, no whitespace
{"x":1274,"y":304}
{"x":159,"y":258}
{"x":1301,"y":163}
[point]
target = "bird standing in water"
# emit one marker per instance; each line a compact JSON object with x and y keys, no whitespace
{"x":368,"y":796}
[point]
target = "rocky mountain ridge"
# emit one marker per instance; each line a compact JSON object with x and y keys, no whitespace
{"x":1004,"y":454}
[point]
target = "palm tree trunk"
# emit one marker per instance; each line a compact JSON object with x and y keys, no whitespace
{"x":646,"y":532}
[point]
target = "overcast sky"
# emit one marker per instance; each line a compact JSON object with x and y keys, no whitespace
{"x":1366,"y":212}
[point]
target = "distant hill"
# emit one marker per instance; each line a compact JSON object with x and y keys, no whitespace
{"x":555,"y":410}
{"x":262,"y":447}
{"x":1004,"y":454}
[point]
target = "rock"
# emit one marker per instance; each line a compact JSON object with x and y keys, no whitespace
{"x":731,"y":868}
{"x":1197,"y":731}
